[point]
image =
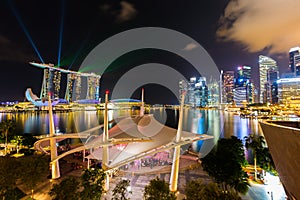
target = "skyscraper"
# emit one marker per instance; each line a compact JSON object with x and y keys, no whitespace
{"x":288,"y":88}
{"x":250,"y":92}
{"x":75,"y":80}
{"x":265,"y":64}
{"x":196,"y":91}
{"x":51,"y":83}
{"x":243,"y":75}
{"x":243,"y":86}
{"x":213,"y":93}
{"x":294,"y":61}
{"x":93,"y":87}
{"x":272,"y":87}
{"x":228,"y":86}
{"x":201,"y":93}
{"x":70,"y":84}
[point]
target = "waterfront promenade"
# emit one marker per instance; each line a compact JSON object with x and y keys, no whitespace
{"x":190,"y":169}
{"x":233,"y":125}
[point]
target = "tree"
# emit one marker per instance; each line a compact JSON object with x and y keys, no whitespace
{"x":17,"y":140}
{"x":224,"y":163}
{"x":197,"y":190}
{"x":32,"y":170}
{"x":265,"y":161}
{"x":158,"y":189}
{"x":5,"y":127}
{"x":121,"y":189}
{"x":256,"y":143}
{"x":8,"y":176}
{"x":28,"y":140}
{"x":66,"y":189}
{"x":92,"y":181}
{"x":194,"y":190}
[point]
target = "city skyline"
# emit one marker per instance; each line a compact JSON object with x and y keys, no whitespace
{"x":76,"y":28}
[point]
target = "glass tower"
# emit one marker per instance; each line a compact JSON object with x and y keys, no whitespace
{"x":228,"y":86}
{"x":265,"y":64}
{"x":294,"y":60}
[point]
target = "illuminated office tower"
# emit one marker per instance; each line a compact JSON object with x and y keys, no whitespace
{"x":191,"y":91}
{"x":201,"y":93}
{"x":93,"y":87}
{"x":288,"y":88}
{"x":56,"y":83}
{"x":240,"y":95}
{"x":44,"y":89}
{"x":243,"y":76}
{"x":77,"y":89}
{"x":196,"y":91}
{"x":228,"y":86}
{"x":271,"y":86}
{"x":51,"y":83}
{"x":74,"y":91}
{"x":213,"y":93}
{"x":265,"y":64}
{"x":183,"y":86}
{"x":243,"y":92}
{"x":250,"y":92}
{"x":70,"y":85}
{"x":294,"y":60}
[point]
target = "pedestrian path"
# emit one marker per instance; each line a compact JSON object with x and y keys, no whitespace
{"x":190,"y":169}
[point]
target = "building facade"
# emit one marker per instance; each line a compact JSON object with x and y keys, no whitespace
{"x":288,"y":88}
{"x":265,"y":64}
{"x":227,"y":86}
{"x":244,"y":88}
{"x":51,"y":83}
{"x":294,"y":60}
{"x":196,"y":92}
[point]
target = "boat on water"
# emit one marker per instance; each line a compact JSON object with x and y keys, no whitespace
{"x":283,"y":139}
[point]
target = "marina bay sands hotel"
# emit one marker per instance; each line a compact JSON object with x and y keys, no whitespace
{"x":79,"y":85}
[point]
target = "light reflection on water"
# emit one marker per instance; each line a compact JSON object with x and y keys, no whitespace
{"x":212,"y":122}
{"x":219,"y":124}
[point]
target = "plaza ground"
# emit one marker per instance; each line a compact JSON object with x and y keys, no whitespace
{"x":190,"y":169}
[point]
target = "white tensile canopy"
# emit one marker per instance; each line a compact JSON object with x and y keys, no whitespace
{"x":150,"y":135}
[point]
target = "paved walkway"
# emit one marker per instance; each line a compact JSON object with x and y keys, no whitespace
{"x":139,"y":179}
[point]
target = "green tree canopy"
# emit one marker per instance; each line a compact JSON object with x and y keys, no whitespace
{"x":8,"y":175}
{"x":265,"y":161}
{"x":224,"y":163}
{"x":256,"y":144}
{"x":92,"y":181}
{"x":261,"y":153}
{"x":28,"y":140}
{"x":67,"y":189}
{"x":33,"y":169}
{"x":197,"y":190}
{"x":121,"y":190}
{"x":158,"y":189}
{"x":6,"y":126}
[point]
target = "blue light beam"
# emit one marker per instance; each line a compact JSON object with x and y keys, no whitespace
{"x":25,"y":30}
{"x":78,"y":51}
{"x":61,"y":32}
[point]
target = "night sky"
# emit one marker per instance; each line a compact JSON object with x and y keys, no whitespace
{"x":233,"y":33}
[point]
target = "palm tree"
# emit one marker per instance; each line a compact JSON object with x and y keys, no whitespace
{"x":256,"y":143}
{"x":5,"y":127}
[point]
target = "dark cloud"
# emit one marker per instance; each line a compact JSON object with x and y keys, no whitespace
{"x":127,"y":13}
{"x":271,"y":25}
{"x":123,"y":11}
{"x":9,"y":51}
